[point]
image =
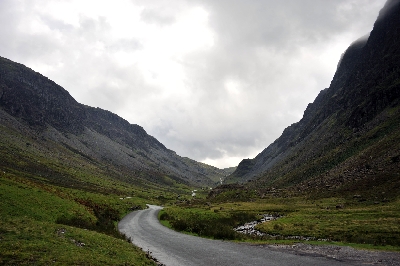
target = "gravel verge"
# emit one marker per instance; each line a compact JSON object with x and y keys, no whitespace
{"x":341,"y":253}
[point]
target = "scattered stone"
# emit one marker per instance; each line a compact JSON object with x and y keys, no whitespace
{"x":77,"y":243}
{"x":249,"y":228}
{"x":60,"y":232}
{"x":341,"y":253}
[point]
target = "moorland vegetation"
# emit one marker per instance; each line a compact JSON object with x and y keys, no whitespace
{"x":69,"y":172}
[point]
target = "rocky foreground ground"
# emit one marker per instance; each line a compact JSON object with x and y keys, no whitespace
{"x":345,"y":254}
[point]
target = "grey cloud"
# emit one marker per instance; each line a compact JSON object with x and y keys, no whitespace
{"x":269,"y":48}
{"x":257,"y":43}
{"x":126,"y":45}
{"x":56,"y":24}
{"x":274,"y":22}
{"x":157,"y":16}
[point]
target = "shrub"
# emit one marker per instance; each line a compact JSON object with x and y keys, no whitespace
{"x":207,"y":223}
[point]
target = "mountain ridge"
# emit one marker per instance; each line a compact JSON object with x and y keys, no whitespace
{"x":50,"y":111}
{"x":362,"y":100}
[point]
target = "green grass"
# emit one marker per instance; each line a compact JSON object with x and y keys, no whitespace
{"x":330,"y":220}
{"x":27,"y":241}
{"x":377,"y":225}
{"x":46,"y":189}
{"x":203,"y":222}
{"x":43,"y":224}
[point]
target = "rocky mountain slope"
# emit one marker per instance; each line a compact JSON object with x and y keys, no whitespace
{"x":348,"y":139}
{"x":42,"y":118}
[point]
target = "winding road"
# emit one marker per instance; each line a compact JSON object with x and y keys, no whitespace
{"x":176,"y":249}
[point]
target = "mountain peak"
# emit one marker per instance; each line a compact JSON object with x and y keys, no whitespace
{"x":348,"y":119}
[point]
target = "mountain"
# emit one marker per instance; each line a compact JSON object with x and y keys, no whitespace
{"x":40,"y":118}
{"x":349,"y":138}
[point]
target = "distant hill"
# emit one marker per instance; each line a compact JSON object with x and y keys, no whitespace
{"x":348,"y":140}
{"x":41,"y":119}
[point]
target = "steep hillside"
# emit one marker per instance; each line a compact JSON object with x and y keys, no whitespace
{"x":348,"y":139}
{"x":40,"y":117}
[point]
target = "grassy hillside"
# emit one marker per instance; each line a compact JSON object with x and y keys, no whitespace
{"x":366,"y":164}
{"x":57,"y":206}
{"x":70,"y":172}
{"x":44,"y":224}
{"x":31,"y":103}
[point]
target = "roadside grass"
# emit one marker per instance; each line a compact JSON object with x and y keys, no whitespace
{"x":336,"y":220}
{"x":25,"y":241}
{"x":43,"y":224}
{"x":324,"y":221}
{"x":52,"y":199}
{"x":204,"y":222}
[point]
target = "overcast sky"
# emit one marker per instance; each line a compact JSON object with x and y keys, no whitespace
{"x":214,"y":80}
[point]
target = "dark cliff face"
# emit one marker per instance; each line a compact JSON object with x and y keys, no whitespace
{"x":50,"y":112}
{"x":374,"y":86}
{"x":37,"y":100}
{"x":363,"y":98}
{"x":323,"y":106}
{"x":28,"y":95}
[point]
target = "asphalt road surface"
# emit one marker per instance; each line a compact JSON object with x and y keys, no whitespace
{"x":176,"y":249}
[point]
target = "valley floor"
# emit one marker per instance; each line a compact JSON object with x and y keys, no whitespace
{"x":147,"y":233}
